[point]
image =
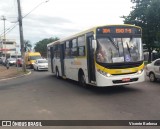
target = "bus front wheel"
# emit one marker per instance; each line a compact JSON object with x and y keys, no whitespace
{"x":82,"y":80}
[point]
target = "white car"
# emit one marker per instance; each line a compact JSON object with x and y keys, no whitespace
{"x":153,"y":70}
{"x":11,"y":61}
{"x":40,"y":64}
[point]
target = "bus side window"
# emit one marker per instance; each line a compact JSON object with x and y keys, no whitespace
{"x":81,"y":51}
{"x":67,"y":49}
{"x":81,"y":46}
{"x":74,"y":48}
{"x":58,"y":52}
{"x":53,"y":52}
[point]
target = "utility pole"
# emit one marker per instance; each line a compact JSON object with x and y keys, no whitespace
{"x":4,"y":38}
{"x":21,"y":36}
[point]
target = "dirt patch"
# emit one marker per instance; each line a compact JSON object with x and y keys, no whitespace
{"x":11,"y":72}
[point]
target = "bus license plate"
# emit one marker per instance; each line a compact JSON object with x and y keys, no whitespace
{"x":126,"y":79}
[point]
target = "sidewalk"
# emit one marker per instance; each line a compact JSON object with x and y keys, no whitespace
{"x":9,"y":73}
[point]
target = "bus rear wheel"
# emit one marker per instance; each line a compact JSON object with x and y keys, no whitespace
{"x":82,"y":80}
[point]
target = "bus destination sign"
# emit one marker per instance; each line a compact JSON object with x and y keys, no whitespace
{"x":118,"y":30}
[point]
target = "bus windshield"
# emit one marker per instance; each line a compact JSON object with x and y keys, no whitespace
{"x":35,"y":57}
{"x":119,"y":50}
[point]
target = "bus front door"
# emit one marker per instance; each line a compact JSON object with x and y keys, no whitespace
{"x":90,"y":60}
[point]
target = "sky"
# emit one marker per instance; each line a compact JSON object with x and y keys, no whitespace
{"x":59,"y":18}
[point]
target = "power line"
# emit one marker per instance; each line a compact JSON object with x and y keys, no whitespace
{"x":35,"y":8}
{"x":10,"y":29}
{"x":7,"y":30}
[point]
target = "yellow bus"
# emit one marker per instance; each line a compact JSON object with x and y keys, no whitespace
{"x":30,"y":58}
{"x":101,"y":56}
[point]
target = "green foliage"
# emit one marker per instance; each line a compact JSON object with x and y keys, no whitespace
{"x":28,"y":45}
{"x":146,"y":14}
{"x":41,"y":46}
{"x":145,"y":62}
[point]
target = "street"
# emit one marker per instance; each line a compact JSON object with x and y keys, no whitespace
{"x":41,"y":96}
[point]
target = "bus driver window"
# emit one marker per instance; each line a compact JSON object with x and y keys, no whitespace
{"x":100,"y":55}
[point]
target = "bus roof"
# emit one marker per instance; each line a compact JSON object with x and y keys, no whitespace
{"x":53,"y":43}
{"x":93,"y":29}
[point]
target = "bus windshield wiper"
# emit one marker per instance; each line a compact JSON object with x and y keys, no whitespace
{"x":114,"y":44}
{"x":128,"y":49}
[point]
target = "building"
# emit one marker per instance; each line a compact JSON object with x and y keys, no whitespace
{"x":7,"y":48}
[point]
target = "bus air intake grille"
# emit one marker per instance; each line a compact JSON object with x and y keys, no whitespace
{"x":125,"y":73}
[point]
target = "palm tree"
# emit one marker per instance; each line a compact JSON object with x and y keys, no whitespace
{"x":28,"y":45}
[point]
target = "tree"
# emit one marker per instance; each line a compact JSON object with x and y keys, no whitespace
{"x":28,"y":45}
{"x":153,"y":16}
{"x":146,"y":14}
{"x":41,"y":46}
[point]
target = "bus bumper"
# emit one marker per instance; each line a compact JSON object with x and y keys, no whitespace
{"x":103,"y":81}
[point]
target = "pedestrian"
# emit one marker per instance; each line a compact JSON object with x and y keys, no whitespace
{"x":7,"y":64}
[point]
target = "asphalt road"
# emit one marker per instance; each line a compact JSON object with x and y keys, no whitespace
{"x":40,"y":96}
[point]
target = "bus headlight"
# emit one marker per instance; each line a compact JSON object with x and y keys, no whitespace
{"x":140,"y":71}
{"x":104,"y":73}
{"x":109,"y":75}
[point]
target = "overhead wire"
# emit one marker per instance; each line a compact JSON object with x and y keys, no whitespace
{"x":7,"y":30}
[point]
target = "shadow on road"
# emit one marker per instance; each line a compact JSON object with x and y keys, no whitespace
{"x":113,"y":90}
{"x":100,"y":90}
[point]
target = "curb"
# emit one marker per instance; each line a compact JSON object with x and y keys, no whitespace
{"x":16,"y":76}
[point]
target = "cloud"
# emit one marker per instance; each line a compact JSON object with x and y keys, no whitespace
{"x":47,"y":19}
{"x":46,"y":26}
{"x":61,"y":18}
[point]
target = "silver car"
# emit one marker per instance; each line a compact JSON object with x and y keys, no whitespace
{"x":11,"y":61}
{"x":153,"y":70}
{"x":40,"y":64}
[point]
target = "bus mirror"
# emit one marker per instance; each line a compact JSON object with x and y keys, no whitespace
{"x":94,"y":44}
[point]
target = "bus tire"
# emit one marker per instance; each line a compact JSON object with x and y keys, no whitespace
{"x":57,"y":73}
{"x":152,"y":77}
{"x":82,"y":80}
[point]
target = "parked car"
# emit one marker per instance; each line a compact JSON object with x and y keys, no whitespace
{"x":11,"y":61}
{"x":40,"y":64}
{"x":153,"y":70}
